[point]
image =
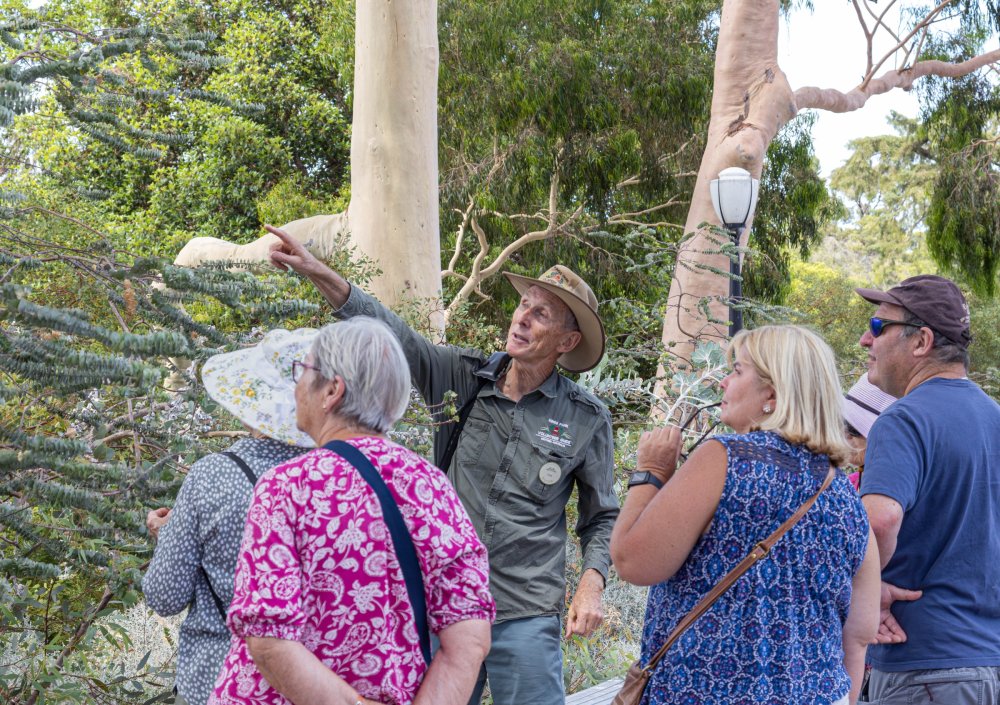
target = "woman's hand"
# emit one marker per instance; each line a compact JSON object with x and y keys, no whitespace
{"x":155,"y":521}
{"x":659,"y":451}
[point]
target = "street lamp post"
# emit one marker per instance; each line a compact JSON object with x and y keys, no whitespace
{"x":734,"y":197}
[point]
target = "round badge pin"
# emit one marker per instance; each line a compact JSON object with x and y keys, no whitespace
{"x":550,"y":473}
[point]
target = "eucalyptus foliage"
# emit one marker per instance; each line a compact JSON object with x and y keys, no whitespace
{"x":90,"y":437}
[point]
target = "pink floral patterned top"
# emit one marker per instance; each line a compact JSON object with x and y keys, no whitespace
{"x":317,"y":566}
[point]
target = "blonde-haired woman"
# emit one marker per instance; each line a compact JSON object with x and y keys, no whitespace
{"x":793,"y":629}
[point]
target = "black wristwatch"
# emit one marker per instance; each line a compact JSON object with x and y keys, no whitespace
{"x":644,"y":477}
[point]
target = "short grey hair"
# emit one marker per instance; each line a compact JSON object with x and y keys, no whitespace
{"x":369,"y":358}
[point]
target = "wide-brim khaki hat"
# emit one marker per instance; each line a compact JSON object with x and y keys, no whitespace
{"x":255,"y":384}
{"x":573,"y":291}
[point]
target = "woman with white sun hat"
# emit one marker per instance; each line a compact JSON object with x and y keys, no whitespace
{"x":199,"y":539}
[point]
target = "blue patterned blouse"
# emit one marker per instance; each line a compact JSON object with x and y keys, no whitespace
{"x":775,"y":636}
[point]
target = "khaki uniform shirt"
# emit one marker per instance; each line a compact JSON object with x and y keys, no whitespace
{"x":515,"y":467}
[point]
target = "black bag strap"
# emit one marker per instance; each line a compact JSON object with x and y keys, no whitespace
{"x":490,"y":371}
{"x":253,"y":481}
{"x":401,"y":540}
{"x":243,"y":466}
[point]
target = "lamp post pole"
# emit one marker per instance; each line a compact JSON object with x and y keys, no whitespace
{"x":734,"y":197}
{"x":735,"y":285}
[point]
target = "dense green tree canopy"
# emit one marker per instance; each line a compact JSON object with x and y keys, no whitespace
{"x":593,"y":116}
{"x":268,"y":140}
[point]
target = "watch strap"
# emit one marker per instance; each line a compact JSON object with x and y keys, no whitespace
{"x":644,"y":477}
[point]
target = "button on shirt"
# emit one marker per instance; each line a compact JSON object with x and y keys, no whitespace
{"x":515,"y":467}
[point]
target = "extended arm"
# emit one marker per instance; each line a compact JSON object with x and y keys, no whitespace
{"x":289,"y":253}
{"x":657,"y":529}
{"x":455,"y":667}
{"x":434,"y":368}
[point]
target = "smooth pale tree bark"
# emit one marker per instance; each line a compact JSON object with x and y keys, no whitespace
{"x":752,"y":101}
{"x":392,"y":217}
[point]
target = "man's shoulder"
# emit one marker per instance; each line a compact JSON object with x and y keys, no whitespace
{"x":580,"y":397}
{"x":937,"y":394}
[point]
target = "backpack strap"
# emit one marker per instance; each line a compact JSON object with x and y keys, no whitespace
{"x":242,"y":465}
{"x":252,"y":477}
{"x":490,"y":371}
{"x":401,"y":539}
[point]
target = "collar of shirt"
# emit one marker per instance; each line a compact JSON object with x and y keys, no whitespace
{"x":550,"y":387}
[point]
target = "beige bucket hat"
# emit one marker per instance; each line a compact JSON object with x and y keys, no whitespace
{"x":255,"y":384}
{"x":573,"y":291}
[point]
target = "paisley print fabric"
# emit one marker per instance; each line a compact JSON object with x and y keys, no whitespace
{"x":317,"y":566}
{"x":775,"y":636}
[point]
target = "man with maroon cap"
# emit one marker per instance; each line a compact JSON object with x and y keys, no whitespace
{"x":932,"y":490}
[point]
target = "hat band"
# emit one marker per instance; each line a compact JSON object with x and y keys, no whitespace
{"x":864,"y":406}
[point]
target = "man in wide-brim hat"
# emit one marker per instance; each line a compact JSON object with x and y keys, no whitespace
{"x":526,"y":434}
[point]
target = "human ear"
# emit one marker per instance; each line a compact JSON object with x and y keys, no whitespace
{"x":570,"y":340}
{"x":333,"y":393}
{"x":770,"y":398}
{"x":925,"y":342}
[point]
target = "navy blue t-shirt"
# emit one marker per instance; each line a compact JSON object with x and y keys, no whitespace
{"x":936,"y":451}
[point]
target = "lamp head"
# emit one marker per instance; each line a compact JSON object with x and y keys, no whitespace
{"x":734,"y":196}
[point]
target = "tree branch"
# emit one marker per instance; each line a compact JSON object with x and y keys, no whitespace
{"x":840,"y":102}
{"x":921,"y":27}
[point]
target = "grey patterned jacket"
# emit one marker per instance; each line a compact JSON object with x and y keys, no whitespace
{"x":205,"y":529}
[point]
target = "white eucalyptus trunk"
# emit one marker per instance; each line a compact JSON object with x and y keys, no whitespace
{"x":392,"y":217}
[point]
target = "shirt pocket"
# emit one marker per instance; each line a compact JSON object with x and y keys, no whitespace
{"x":544,"y":474}
{"x":474,"y":439}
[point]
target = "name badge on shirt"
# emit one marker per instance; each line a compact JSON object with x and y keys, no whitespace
{"x":549,"y":473}
{"x":555,"y":433}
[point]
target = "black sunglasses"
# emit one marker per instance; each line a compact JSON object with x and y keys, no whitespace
{"x":691,"y":418}
{"x":878,"y":325}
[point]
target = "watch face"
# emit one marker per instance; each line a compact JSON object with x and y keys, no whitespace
{"x":639,"y":478}
{"x":644,"y":477}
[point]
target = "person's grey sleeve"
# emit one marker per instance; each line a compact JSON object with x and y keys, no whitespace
{"x":598,"y":503}
{"x":168,"y":585}
{"x":434,"y":369}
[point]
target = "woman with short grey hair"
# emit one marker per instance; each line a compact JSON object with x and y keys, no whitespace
{"x":324,"y":608}
{"x":367,"y":356}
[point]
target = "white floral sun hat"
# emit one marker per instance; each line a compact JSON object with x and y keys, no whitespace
{"x":255,"y":384}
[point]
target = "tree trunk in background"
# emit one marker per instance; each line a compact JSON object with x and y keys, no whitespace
{"x":393,"y":214}
{"x":751,"y":101}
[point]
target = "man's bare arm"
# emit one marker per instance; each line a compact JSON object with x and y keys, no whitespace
{"x":885,"y":516}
